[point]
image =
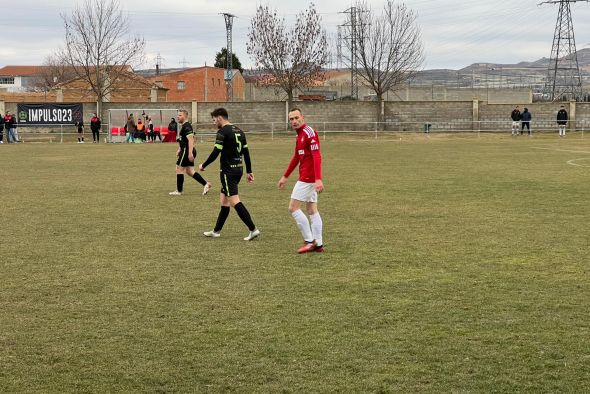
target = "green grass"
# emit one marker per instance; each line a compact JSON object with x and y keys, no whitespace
{"x":453,"y":265}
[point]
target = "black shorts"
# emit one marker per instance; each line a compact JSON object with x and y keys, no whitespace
{"x":183,"y":161}
{"x":229,"y":182}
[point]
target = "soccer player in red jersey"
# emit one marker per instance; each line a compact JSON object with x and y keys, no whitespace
{"x":307,"y":155}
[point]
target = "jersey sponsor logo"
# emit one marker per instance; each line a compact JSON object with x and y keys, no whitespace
{"x":315,"y":147}
{"x":301,"y":151}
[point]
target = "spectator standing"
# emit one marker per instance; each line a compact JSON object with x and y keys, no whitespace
{"x":1,"y":129}
{"x":562,"y":119}
{"x":95,"y":127}
{"x":10,"y":125}
{"x":526,"y":118}
{"x":131,"y":128}
{"x":515,"y":116}
{"x":150,"y":129}
{"x":80,"y":125}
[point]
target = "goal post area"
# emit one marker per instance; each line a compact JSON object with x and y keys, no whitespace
{"x":117,"y":120}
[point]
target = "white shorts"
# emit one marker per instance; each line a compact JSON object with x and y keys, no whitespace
{"x":305,"y":192}
{"x":515,"y":124}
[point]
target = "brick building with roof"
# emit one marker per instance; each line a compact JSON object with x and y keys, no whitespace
{"x":200,"y":84}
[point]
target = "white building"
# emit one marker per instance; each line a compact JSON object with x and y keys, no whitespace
{"x":18,"y":78}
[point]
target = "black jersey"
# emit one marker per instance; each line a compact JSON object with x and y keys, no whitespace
{"x":185,"y":131}
{"x":231,"y":141}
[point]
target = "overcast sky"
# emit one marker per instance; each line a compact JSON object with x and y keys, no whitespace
{"x":456,"y":33}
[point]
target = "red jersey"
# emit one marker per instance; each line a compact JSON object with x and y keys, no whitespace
{"x":307,"y":155}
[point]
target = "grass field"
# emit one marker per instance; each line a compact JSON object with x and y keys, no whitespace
{"x":453,"y":264}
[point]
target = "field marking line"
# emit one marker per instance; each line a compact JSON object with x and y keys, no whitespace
{"x":573,"y":162}
{"x":562,"y":150}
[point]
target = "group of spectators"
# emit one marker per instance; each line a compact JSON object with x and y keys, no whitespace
{"x":522,"y":120}
{"x":143,"y":130}
{"x":8,"y":123}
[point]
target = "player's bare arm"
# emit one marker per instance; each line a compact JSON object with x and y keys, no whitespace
{"x":191,"y":144}
{"x":319,"y":185}
{"x":282,"y":182}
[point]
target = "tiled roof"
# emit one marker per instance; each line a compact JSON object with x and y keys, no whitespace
{"x":20,"y":71}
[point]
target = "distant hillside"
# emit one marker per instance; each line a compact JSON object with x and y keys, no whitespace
{"x":583,"y":60}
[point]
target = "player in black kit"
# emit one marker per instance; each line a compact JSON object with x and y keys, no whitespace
{"x":186,"y":153}
{"x":231,"y":144}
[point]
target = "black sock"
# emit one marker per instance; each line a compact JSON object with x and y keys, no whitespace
{"x":197,"y":177}
{"x":179,"y":182}
{"x":245,"y":216}
{"x":223,"y":214}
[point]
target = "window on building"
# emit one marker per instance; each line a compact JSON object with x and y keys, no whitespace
{"x":212,"y":81}
{"x":6,"y":80}
{"x":180,"y":85}
{"x":219,"y":82}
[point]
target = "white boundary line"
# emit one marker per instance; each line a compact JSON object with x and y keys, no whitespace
{"x":569,"y":162}
{"x":573,"y":162}
{"x":562,"y":150}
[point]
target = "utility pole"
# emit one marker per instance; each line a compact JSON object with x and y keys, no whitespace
{"x":183,"y":62}
{"x":352,"y":25}
{"x":563,"y":75}
{"x":229,"y":20}
{"x":159,"y":62}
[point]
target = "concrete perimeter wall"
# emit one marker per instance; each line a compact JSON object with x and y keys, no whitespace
{"x":445,"y":116}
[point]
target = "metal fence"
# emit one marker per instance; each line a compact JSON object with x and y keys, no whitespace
{"x":115,"y":134}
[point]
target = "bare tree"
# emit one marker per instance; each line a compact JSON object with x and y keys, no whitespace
{"x":53,"y":72}
{"x":98,"y":46}
{"x":388,"y":47}
{"x":293,"y":58}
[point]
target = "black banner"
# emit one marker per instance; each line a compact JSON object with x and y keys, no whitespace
{"x":49,"y":114}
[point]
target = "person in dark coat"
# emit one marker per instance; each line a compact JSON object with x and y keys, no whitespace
{"x":1,"y":129}
{"x":173,"y":126}
{"x":95,"y":127}
{"x":515,"y":116}
{"x":10,"y":124}
{"x":562,"y":120}
{"x":526,"y":118}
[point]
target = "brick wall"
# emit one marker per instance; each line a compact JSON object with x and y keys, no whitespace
{"x":443,"y":116}
{"x":251,"y":116}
